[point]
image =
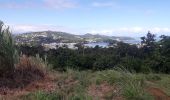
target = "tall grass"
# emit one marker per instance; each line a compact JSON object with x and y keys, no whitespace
{"x":133,"y":86}
{"x":74,"y":85}
{"x":8,"y":53}
{"x":31,"y":63}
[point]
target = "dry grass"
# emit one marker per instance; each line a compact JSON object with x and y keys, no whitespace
{"x":32,"y":63}
{"x":30,"y":72}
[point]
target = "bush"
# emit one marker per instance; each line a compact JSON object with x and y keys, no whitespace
{"x":8,"y":53}
{"x":32,"y":63}
{"x":31,"y":68}
{"x":131,"y":64}
{"x":153,"y":77}
{"x":28,"y":70}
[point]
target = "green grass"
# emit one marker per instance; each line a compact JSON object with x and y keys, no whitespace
{"x":42,"y":96}
{"x":165,"y":83}
{"x":132,"y":85}
{"x":161,"y":81}
{"x":55,"y":96}
{"x":110,"y":76}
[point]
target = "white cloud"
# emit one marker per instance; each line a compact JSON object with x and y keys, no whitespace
{"x":119,"y":30}
{"x":57,"y":4}
{"x":14,"y":5}
{"x":130,"y":31}
{"x":102,"y":4}
{"x":161,"y":30}
{"x":52,"y":4}
{"x":114,"y":5}
{"x":123,"y":31}
{"x":34,"y":28}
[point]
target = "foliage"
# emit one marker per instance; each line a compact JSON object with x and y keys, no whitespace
{"x":133,"y":86}
{"x":8,"y":53}
{"x":148,"y":43}
{"x":150,"y":56}
{"x":126,"y":85}
{"x":32,"y":63}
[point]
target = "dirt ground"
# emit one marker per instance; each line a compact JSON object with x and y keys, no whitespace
{"x":47,"y":84}
{"x":104,"y":91}
{"x":158,"y":93}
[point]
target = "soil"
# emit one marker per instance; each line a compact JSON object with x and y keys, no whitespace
{"x":104,"y":91}
{"x":50,"y":83}
{"x":46,"y":84}
{"x":158,"y":93}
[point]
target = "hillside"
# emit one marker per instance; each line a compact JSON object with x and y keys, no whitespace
{"x":123,"y":72}
{"x":58,"y":37}
{"x":99,"y":85}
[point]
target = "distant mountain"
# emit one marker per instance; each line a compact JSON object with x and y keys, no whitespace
{"x":98,"y":37}
{"x":88,"y":35}
{"x":58,"y":37}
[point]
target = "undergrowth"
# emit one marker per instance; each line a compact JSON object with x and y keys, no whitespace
{"x":74,"y":86}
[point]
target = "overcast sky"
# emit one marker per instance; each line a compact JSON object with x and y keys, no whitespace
{"x":108,"y":17}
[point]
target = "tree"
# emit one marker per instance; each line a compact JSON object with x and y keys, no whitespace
{"x":80,"y":47}
{"x":165,"y":45}
{"x":165,"y":53}
{"x":148,"y":43}
{"x":124,"y":49}
{"x":8,"y":53}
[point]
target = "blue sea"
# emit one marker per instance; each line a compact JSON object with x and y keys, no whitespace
{"x":104,"y":44}
{"x":101,"y":44}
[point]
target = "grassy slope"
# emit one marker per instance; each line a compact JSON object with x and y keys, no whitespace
{"x":103,"y":85}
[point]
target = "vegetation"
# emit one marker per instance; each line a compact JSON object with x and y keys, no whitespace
{"x":123,"y":85}
{"x":120,"y":72}
{"x":151,"y":56}
{"x":8,"y":54}
{"x":17,"y":71}
{"x":46,"y":37}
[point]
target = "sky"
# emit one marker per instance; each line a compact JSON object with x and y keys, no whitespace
{"x":106,"y":17}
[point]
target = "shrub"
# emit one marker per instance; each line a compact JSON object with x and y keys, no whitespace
{"x":32,"y":63}
{"x":28,"y":70}
{"x":153,"y":77}
{"x":131,"y":64}
{"x":8,"y":53}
